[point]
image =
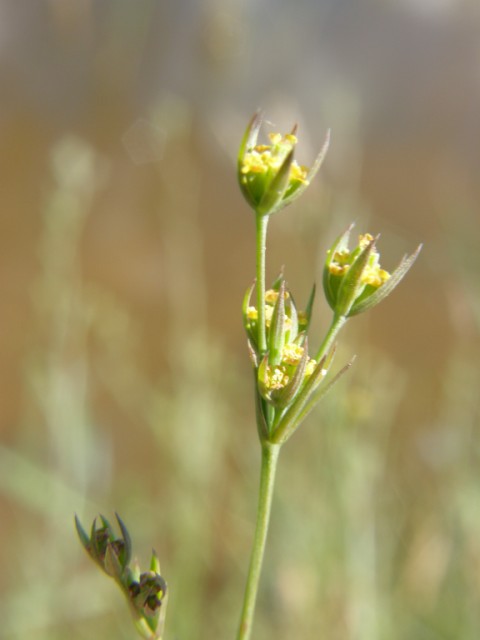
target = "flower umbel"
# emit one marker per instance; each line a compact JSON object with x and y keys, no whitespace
{"x":287,"y":377}
{"x":269,"y":176}
{"x":353,"y":280}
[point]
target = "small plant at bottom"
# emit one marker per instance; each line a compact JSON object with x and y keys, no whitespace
{"x":146,"y":591}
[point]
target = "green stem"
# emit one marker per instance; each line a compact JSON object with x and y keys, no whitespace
{"x":337,"y":324}
{"x":261,"y":233}
{"x":267,"y":481}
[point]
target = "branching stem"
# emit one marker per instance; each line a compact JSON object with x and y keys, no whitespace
{"x":333,"y":331}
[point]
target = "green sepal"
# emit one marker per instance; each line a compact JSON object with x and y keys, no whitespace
{"x":155,"y":562}
{"x":111,"y":563}
{"x":249,"y":140}
{"x":134,"y":571}
{"x":289,"y":420}
{"x":276,"y":334}
{"x":272,"y":198}
{"x":278,"y":281}
{"x":100,"y":540}
{"x":295,"y":193}
{"x":262,"y":378}
{"x":331,"y":282}
{"x":282,"y":398}
{"x":262,"y":423}
{"x":351,"y":286}
{"x":250,"y":325}
{"x":387,"y":287}
{"x":82,"y":534}
{"x":250,"y":137}
{"x":308,"y":311}
{"x":253,"y":354}
{"x":291,"y":312}
{"x":126,"y":555}
{"x":94,"y":550}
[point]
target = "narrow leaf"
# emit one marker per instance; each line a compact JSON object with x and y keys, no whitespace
{"x":321,"y":392}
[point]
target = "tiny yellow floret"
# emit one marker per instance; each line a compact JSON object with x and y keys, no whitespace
{"x":374,"y":276}
{"x":299,"y":173}
{"x":364,"y":240}
{"x":277,"y":378}
{"x":310,"y":368}
{"x":292,"y":354}
{"x":271,"y":296}
{"x":338,"y":269}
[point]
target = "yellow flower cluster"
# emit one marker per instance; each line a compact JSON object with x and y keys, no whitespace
{"x":372,"y":274}
{"x":264,"y":157}
{"x":279,"y":376}
{"x":270,"y":299}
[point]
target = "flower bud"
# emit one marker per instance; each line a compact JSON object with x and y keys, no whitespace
{"x":269,"y":175}
{"x":148,"y":593}
{"x":112,"y":554}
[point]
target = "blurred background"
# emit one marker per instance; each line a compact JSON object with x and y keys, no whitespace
{"x":125,"y":251}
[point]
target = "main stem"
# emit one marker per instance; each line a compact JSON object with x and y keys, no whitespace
{"x":267,"y":481}
{"x":262,"y":224}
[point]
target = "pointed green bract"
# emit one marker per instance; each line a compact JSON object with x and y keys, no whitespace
{"x":275,"y":189}
{"x":352,"y":285}
{"x":84,"y":539}
{"x":381,"y":293}
{"x":276,"y":333}
{"x":289,"y":420}
{"x":284,"y":398}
